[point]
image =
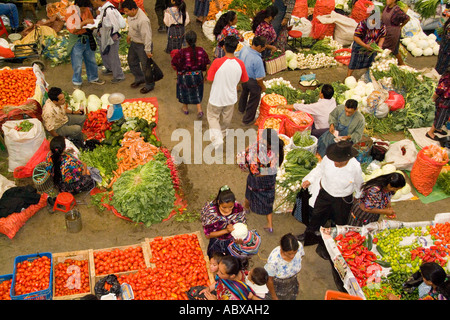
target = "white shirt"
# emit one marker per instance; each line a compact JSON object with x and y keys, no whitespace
{"x":225,"y":73}
{"x":260,"y":290}
{"x":338,"y":182}
{"x":319,"y":110}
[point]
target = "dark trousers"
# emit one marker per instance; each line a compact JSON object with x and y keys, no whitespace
{"x":328,"y":207}
{"x":249,"y":100}
{"x":137,"y":60}
{"x":160,"y":6}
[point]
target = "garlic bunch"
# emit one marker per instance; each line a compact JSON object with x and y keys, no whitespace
{"x":278,"y":82}
{"x":383,"y":60}
{"x":315,"y":61}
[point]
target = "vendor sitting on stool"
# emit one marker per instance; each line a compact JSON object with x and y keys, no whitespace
{"x":59,"y":119}
{"x":346,"y":123}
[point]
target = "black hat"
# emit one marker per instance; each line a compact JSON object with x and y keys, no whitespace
{"x":341,"y":151}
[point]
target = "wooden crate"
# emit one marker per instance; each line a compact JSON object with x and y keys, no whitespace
{"x":202,"y":244}
{"x":75,"y":255}
{"x":145,"y":251}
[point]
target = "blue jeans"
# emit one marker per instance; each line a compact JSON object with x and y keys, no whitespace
{"x":10,"y":10}
{"x":82,"y":52}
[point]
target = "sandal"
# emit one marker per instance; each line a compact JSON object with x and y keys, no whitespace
{"x":186,"y":112}
{"x":200,"y":115}
{"x":429,"y":137}
{"x":270,"y":230}
{"x":441,"y":132}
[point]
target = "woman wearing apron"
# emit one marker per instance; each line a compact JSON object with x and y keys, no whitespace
{"x":281,"y":21}
{"x":394,"y":19}
{"x":347,"y":121}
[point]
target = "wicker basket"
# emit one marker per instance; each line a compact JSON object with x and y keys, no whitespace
{"x":276,"y":65}
{"x":42,"y":179}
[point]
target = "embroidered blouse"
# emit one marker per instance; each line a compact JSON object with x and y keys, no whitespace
{"x":266,"y":30}
{"x":226,"y":31}
{"x":257,"y":163}
{"x":443,"y":92}
{"x":183,"y":60}
{"x":71,"y":167}
{"x":213,"y":220}
{"x":368,"y":35}
{"x":376,"y":198}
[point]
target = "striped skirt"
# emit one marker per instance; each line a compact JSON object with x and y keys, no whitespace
{"x":201,"y":8}
{"x":360,"y":59}
{"x":358,"y":217}
{"x":441,"y":116}
{"x":286,"y":289}
{"x":175,"y":37}
{"x":260,"y":193}
{"x":190,"y":87}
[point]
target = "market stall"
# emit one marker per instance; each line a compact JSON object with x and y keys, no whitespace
{"x":376,"y":259}
{"x":161,"y":268}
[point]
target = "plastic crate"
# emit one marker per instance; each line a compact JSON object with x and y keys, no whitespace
{"x":5,"y":277}
{"x":38,"y":295}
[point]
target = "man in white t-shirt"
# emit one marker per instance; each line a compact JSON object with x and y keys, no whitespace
{"x":225,"y":74}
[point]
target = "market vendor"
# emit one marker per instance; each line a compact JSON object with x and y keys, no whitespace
{"x":59,"y":119}
{"x":320,"y":110}
{"x":346,"y":123}
{"x":69,"y":173}
{"x":367,"y":32}
{"x":218,"y":217}
{"x":332,"y":184}
{"x":376,"y":199}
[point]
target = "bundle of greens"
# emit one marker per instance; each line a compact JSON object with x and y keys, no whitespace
{"x":145,"y":194}
{"x":302,"y":139}
{"x":104,"y":158}
{"x":426,"y":8}
{"x":443,"y":181}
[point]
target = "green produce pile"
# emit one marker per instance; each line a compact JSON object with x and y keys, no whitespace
{"x":104,"y":158}
{"x":303,"y":139}
{"x":24,"y":126}
{"x":114,"y":136}
{"x":419,"y":107}
{"x":55,"y":49}
{"x":443,"y":181}
{"x":398,"y":256}
{"x":297,"y":164}
{"x":145,"y":194}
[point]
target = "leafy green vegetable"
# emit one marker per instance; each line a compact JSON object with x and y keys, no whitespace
{"x":443,"y":181}
{"x":104,"y":158}
{"x":145,"y":194}
{"x":426,"y":8}
{"x":302,"y":139}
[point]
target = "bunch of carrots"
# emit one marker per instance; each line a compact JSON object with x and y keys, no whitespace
{"x":134,"y":151}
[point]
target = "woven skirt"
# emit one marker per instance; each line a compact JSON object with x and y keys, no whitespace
{"x":201,"y":8}
{"x":360,"y":59}
{"x":358,"y":217}
{"x":286,"y":289}
{"x":190,"y":87}
{"x":175,"y":37}
{"x":260,"y":193}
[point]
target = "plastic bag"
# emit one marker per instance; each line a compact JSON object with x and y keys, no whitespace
{"x":395,"y":101}
{"x":38,"y":157}
{"x":344,"y":28}
{"x":426,"y":169}
{"x":22,"y":146}
{"x":5,"y":184}
{"x":111,"y":279}
{"x":402,"y":154}
{"x":304,"y":26}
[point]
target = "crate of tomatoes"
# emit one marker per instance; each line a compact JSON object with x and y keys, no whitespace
{"x":118,"y":260}
{"x":32,"y":277}
{"x":71,"y":275}
{"x":5,"y":286}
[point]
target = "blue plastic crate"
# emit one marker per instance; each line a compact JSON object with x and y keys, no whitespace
{"x":5,"y":277}
{"x":38,"y":295}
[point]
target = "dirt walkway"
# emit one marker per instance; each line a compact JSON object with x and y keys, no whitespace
{"x":46,"y":232}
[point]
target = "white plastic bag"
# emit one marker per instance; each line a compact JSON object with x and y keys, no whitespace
{"x":402,"y":154}
{"x":413,"y":26}
{"x":208,"y":28}
{"x":22,"y":146}
{"x":5,"y":184}
{"x":344,"y":27}
{"x":303,"y":25}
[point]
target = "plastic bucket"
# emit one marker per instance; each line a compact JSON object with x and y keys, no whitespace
{"x":73,"y":221}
